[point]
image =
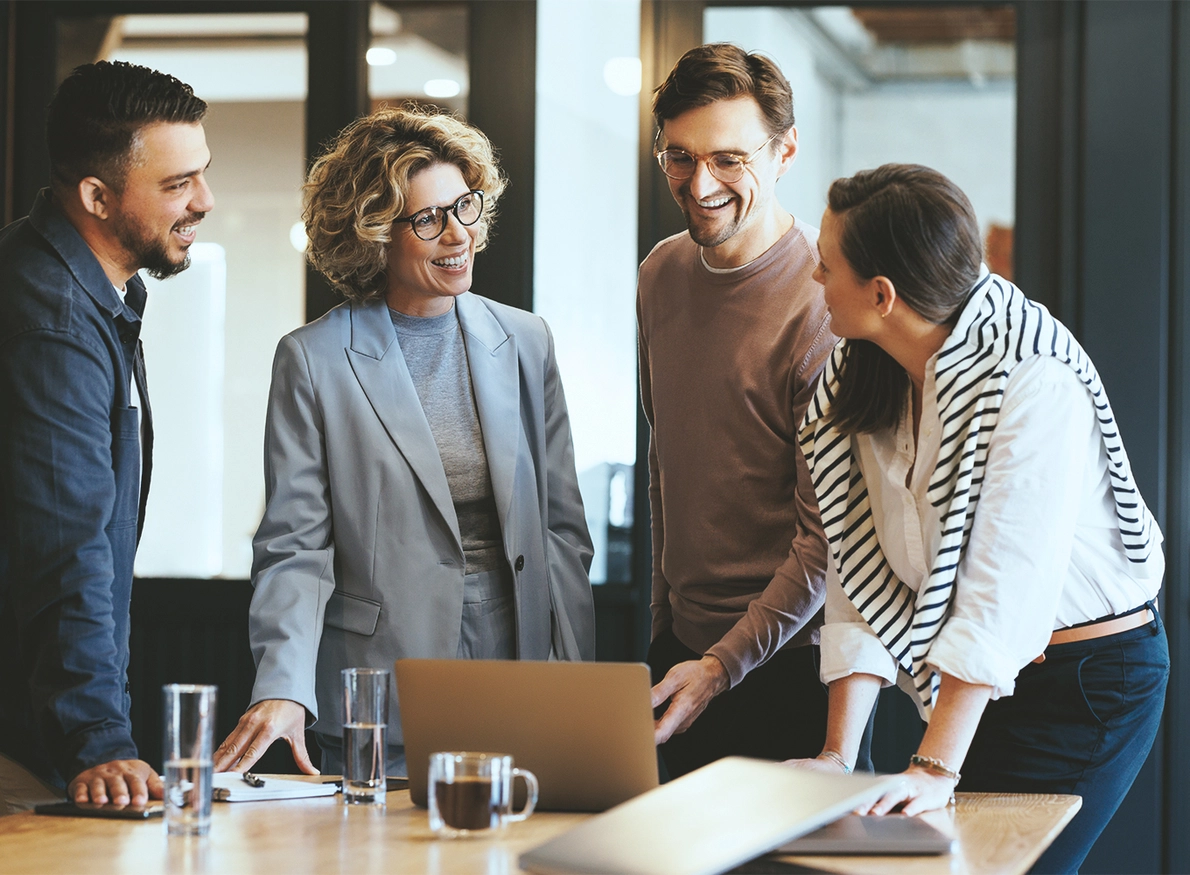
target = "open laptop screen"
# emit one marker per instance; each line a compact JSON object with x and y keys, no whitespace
{"x":584,"y":728}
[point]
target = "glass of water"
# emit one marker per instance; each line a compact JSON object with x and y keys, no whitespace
{"x":188,"y":749}
{"x":365,"y":721}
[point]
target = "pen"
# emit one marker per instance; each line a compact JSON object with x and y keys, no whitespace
{"x":252,"y":780}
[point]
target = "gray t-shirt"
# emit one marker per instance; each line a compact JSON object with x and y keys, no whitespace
{"x":437,"y":361}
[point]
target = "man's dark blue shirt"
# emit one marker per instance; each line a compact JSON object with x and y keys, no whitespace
{"x":71,"y":497}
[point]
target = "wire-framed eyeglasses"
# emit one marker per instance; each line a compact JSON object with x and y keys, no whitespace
{"x":724,"y":166}
{"x":428,"y":224}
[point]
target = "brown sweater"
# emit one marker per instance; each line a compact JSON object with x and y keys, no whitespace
{"x":727,"y":365}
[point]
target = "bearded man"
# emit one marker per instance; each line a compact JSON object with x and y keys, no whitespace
{"x":128,"y":156}
{"x":733,"y":333}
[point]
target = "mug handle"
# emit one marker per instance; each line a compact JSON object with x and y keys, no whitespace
{"x":531,"y":798}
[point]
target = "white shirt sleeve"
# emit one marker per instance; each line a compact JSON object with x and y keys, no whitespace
{"x":848,"y":645}
{"x":1011,"y":576}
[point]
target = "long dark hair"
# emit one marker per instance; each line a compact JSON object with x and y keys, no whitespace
{"x":914,"y":226}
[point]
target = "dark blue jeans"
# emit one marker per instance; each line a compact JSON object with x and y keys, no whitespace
{"x":1081,"y":722}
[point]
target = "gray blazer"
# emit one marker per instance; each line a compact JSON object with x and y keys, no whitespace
{"x":358,"y":560}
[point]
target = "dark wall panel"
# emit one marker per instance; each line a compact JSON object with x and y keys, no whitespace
{"x":1124,"y":272}
{"x":1176,"y":599}
{"x":668,"y":29}
{"x":337,"y":95}
{"x":502,"y":104}
{"x":1125,"y":214}
{"x":7,"y":73}
{"x":194,"y":632}
{"x":1049,"y":67}
{"x":34,"y":58}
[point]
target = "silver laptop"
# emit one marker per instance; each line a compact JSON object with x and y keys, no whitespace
{"x":706,"y":822}
{"x":584,"y":728}
{"x":887,"y":835}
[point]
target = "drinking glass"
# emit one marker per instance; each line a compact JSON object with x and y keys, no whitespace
{"x":188,"y":752}
{"x":365,"y":722}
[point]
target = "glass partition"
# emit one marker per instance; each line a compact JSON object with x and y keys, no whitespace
{"x":933,"y":86}
{"x":419,"y":53}
{"x":585,"y":260}
{"x":211,"y":331}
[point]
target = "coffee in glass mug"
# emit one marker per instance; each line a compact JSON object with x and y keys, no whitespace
{"x":471,"y":792}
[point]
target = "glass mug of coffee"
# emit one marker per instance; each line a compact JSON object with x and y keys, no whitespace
{"x":471,"y":793}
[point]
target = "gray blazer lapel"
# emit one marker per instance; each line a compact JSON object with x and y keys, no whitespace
{"x":495,"y":376}
{"x":379,"y":366}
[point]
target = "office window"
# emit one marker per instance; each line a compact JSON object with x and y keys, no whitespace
{"x":211,"y":331}
{"x":873,"y":85}
{"x":585,"y":259}
{"x":419,"y":54}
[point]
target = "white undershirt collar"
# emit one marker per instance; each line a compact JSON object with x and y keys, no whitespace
{"x":702,"y":256}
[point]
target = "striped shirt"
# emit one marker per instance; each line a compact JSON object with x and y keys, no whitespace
{"x":986,"y":588}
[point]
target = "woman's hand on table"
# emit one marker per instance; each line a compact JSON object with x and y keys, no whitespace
{"x":919,"y":790}
{"x":261,"y":725}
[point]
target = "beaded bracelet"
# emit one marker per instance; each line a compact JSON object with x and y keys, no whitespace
{"x":936,"y":766}
{"x":836,"y":757}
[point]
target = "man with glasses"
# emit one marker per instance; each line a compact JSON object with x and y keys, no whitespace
{"x":733,"y":333}
{"x":128,"y":158}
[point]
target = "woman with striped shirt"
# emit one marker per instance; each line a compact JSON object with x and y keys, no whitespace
{"x":992,"y":554}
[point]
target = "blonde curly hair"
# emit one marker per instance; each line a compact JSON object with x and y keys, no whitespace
{"x":358,"y":188}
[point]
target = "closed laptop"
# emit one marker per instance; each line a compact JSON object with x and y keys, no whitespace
{"x":706,"y":822}
{"x":887,"y":835}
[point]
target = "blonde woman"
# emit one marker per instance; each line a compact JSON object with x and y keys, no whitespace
{"x":422,"y":499}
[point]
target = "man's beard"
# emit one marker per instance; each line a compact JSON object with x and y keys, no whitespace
{"x":152,"y":253}
{"x":709,"y":236}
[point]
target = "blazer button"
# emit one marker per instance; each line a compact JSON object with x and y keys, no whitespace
{"x":519,"y":565}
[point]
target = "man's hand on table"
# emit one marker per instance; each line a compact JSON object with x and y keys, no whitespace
{"x":261,"y":725}
{"x":121,"y":782}
{"x":688,"y":687}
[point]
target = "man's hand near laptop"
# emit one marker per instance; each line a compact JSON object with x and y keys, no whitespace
{"x":261,"y":725}
{"x":688,"y":687}
{"x":120,"y":782}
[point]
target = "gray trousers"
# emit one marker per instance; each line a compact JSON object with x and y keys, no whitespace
{"x":488,"y":632}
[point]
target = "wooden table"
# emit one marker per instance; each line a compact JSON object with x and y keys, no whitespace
{"x":998,"y":833}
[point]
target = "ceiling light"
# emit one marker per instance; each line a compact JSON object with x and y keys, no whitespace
{"x":378,"y":56}
{"x":442,"y":88}
{"x":622,"y":75}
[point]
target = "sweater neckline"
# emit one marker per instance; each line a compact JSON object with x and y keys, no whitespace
{"x":732,"y":276}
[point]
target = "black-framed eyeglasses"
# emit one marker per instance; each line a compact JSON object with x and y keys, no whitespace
{"x":428,"y":224}
{"x":724,"y":166}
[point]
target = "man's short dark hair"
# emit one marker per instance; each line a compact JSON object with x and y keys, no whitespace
{"x":722,"y":71}
{"x":98,"y":111}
